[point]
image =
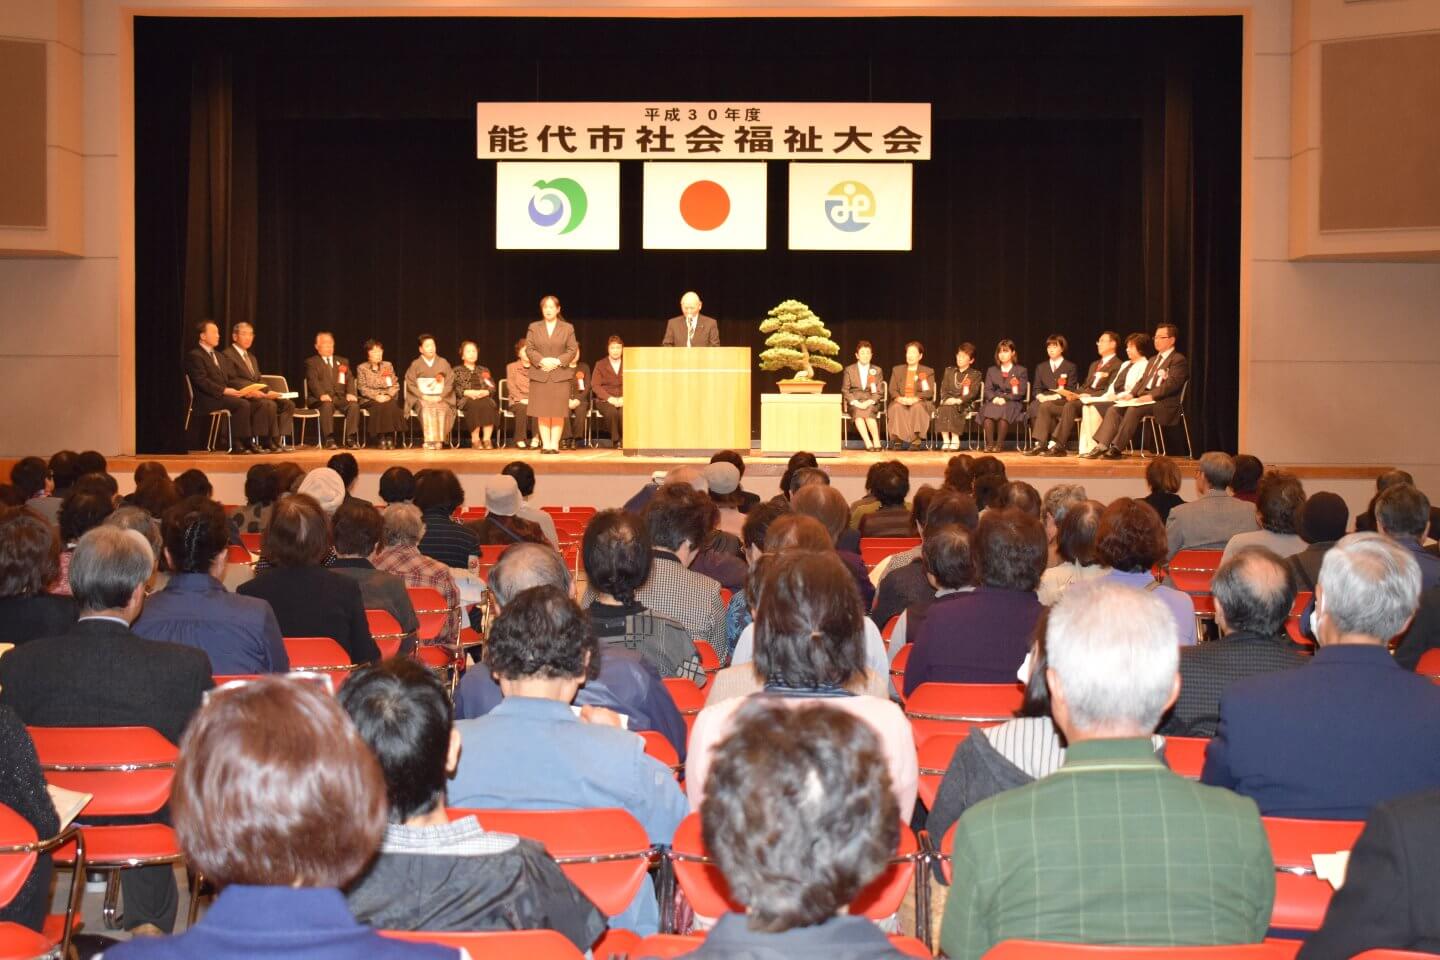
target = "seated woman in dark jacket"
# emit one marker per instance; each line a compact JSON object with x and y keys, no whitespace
{"x":239,"y":634}
{"x":29,"y":563}
{"x":893,"y":519}
{"x":309,"y":600}
{"x":22,"y":789}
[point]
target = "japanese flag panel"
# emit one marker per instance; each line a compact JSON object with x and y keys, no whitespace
{"x":850,"y":206}
{"x":704,"y":206}
{"x":557,"y":206}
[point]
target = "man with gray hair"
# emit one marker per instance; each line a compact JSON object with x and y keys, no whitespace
{"x":400,"y":554}
{"x":1113,"y":847}
{"x":624,"y":683}
{"x":1209,"y":521}
{"x":1254,"y":591}
{"x":1353,"y":728}
{"x":100,"y":674}
{"x":1056,"y":503}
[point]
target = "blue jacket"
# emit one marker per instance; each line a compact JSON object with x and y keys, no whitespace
{"x":239,"y":634}
{"x":254,"y":923}
{"x":1328,"y":740}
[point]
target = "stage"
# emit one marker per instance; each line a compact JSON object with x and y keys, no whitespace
{"x":604,"y":477}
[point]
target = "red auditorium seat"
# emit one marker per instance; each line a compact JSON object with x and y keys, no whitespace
{"x":20,"y":847}
{"x":317,"y":654}
{"x":1301,"y":898}
{"x":666,"y":945}
{"x":875,"y":549}
{"x":497,"y":945}
{"x":1186,"y":755}
{"x":385,"y":631}
{"x":956,"y":707}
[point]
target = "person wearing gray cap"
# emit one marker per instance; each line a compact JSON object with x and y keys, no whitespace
{"x":723,"y":481}
{"x":501,"y":525}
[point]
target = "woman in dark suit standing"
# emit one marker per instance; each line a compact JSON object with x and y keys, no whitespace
{"x":912,"y":397}
{"x":1006,"y":384}
{"x":959,"y":396}
{"x":550,"y":346}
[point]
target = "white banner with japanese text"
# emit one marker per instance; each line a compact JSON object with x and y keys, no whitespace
{"x":557,"y":206}
{"x":852,"y":206}
{"x":664,"y":130}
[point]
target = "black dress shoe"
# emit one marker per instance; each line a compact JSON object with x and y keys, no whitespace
{"x":331,"y":445}
{"x":1113,"y":453}
{"x":1095,"y":454}
{"x":240,"y":450}
{"x":352,"y":444}
{"x":1055,"y":452}
{"x":1034,"y":451}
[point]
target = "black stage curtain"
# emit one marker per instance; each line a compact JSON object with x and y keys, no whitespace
{"x":320,"y":174}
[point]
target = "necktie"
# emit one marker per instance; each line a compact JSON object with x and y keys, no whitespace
{"x":690,"y":333}
{"x":213,"y":357}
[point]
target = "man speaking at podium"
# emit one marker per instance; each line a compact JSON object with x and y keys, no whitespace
{"x":691,"y":328}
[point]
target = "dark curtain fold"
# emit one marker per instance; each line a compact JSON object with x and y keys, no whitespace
{"x":1085,"y":176}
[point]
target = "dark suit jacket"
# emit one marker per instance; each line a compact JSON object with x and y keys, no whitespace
{"x":237,"y":374}
{"x":99,"y":674}
{"x":322,"y":378}
{"x":1391,"y":885}
{"x":1165,"y":379}
{"x":1424,"y":631}
{"x":316,"y":602}
{"x":977,"y":637}
{"x":923,"y":374}
{"x":1046,"y":380}
{"x":561,"y":345}
{"x":1106,"y":369}
{"x":23,"y":619}
{"x":581,"y":385}
{"x":707,"y":332}
{"x":608,"y":383}
{"x":207,"y":376}
{"x":852,"y":389}
{"x":1328,"y":740}
{"x":1208,"y":669}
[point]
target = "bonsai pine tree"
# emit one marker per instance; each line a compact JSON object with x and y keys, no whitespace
{"x":797,"y":341}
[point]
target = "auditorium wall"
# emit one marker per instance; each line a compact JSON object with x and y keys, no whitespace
{"x":1322,"y":339}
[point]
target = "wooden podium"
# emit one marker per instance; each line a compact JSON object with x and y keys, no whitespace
{"x":686,"y":401}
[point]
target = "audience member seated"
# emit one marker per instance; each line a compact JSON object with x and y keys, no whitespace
{"x":748,"y":500}
{"x":532,"y":752}
{"x":1388,"y":900}
{"x":280,"y":804}
{"x":752,"y":536}
{"x":1209,"y":521}
{"x":1075,"y":546}
{"x":397,"y":485}
{"x":907,"y":585}
{"x":524,"y":475}
{"x":987,"y":490}
{"x":1402,"y":513}
{"x":238,"y":634}
{"x":722,"y":480}
{"x":719,"y":556}
{"x":809,"y":647}
{"x":1365,"y":522}
{"x":625,"y":682}
{"x":1249,"y":471}
{"x":80,"y":512}
{"x":1019,"y":495}
{"x":616,"y":552}
{"x":1322,"y":522}
{"x":948,"y":567}
{"x":262,"y":489}
{"x":981,"y":636}
{"x":358,"y":529}
{"x":919,"y":507}
{"x":795,"y":532}
{"x":1066,"y":858}
{"x":1129,"y":544}
{"x":826,"y":504}
{"x":326,"y":488}
{"x":1253,"y":592}
{"x":29,"y":563}
{"x":308,"y":599}
{"x":23,"y":790}
{"x":867,"y":503}
{"x":1277,"y":508}
{"x":502,"y":524}
{"x":100,"y":674}
{"x":892,"y":517}
{"x":800,"y":460}
{"x":63,"y":472}
{"x":1163,"y":479}
{"x":348,"y":470}
{"x":30,"y":476}
{"x":1053,"y":506}
{"x":438,"y":494}
{"x":676,"y":517}
{"x":155,"y":496}
{"x":193,"y":483}
{"x":432,"y":874}
{"x":816,"y":777}
{"x":399,"y":554}
{"x":1353,"y":728}
{"x":134,"y":518}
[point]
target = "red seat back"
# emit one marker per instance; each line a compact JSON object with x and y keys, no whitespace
{"x":128,"y":769}
{"x":709,"y":659}
{"x":251,"y":542}
{"x":689,"y":700}
{"x":663,"y":750}
{"x":316,"y":653}
{"x":956,"y":707}
{"x":497,"y":945}
{"x":385,"y":631}
{"x":1192,"y":570}
{"x":15,"y":865}
{"x":709,"y":894}
{"x":1186,"y":755}
{"x":1301,"y":898}
{"x":605,"y":851}
{"x":1429,"y":664}
{"x":875,"y":549}
{"x":235,"y":553}
{"x":933,"y":757}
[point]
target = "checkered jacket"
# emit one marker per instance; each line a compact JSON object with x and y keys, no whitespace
{"x":419,"y":570}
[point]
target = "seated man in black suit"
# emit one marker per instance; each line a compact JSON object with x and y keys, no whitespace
{"x":331,"y":383}
{"x":1253,"y":592}
{"x":242,"y":372}
{"x":1051,"y":377}
{"x":99,"y":674}
{"x":1391,"y":885}
{"x":1054,"y":424}
{"x":1351,"y":729}
{"x":580,"y":387}
{"x":1163,"y":382}
{"x":213,"y":392}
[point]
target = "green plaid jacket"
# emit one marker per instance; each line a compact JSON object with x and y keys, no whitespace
{"x":1111,"y":848}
